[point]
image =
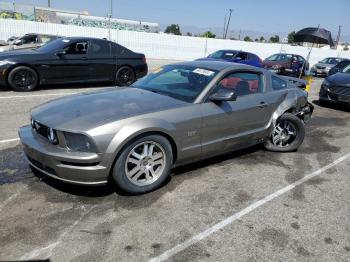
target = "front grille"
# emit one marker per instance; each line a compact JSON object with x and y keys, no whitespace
{"x":340,"y":90}
{"x":320,"y":67}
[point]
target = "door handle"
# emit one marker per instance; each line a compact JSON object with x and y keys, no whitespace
{"x":262,"y":104}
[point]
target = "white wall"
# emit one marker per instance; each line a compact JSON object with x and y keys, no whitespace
{"x":162,"y":46}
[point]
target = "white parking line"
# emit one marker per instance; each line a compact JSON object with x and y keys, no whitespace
{"x":9,"y":140}
{"x":197,"y":238}
{"x":28,"y":96}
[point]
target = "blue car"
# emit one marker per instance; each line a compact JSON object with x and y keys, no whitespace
{"x":235,"y":56}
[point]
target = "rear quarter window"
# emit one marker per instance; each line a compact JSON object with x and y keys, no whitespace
{"x":278,"y":83}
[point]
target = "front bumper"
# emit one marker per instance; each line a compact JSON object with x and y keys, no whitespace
{"x":320,"y":72}
{"x":331,"y":97}
{"x":73,"y":167}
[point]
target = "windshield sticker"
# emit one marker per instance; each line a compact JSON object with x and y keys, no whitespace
{"x":202,"y":71}
{"x":65,"y":40}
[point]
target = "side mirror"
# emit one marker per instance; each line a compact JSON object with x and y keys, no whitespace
{"x":223,"y":95}
{"x":61,"y":53}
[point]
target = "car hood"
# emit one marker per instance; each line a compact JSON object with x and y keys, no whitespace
{"x":325,"y":65}
{"x":18,"y":53}
{"x":341,"y":79}
{"x":89,"y":110}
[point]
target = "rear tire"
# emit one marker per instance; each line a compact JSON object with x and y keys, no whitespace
{"x":125,"y":76}
{"x":143,"y":165}
{"x":23,"y":79}
{"x":287,"y":135}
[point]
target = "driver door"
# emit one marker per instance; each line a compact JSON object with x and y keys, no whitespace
{"x":73,"y":65}
{"x":229,"y":125}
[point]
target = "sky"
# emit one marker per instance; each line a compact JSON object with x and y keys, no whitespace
{"x":270,"y":16}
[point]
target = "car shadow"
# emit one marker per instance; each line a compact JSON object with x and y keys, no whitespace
{"x":339,"y":107}
{"x":112,"y":188}
{"x":78,"y":190}
{"x":215,"y":160}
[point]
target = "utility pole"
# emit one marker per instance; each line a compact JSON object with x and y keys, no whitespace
{"x":223,"y":34}
{"x":49,"y":3}
{"x":109,"y":20}
{"x":228,"y":23}
{"x":338,"y":37}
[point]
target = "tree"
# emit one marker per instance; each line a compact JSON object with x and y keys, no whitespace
{"x":208,"y":34}
{"x":262,"y":39}
{"x":291,"y":37}
{"x":247,"y":39}
{"x":274,"y":39}
{"x":189,"y":34}
{"x":173,"y":29}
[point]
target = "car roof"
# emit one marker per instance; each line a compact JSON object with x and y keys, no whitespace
{"x":84,"y":38}
{"x":215,"y":65}
{"x":43,"y":34}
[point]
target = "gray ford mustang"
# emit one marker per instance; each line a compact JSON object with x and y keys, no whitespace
{"x":176,"y":115}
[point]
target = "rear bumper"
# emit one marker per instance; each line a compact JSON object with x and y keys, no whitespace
{"x":72,"y":167}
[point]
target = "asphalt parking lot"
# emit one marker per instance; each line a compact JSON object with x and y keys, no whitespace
{"x":250,"y":205}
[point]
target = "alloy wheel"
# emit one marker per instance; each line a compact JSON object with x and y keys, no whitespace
{"x":145,"y":163}
{"x":24,"y":79}
{"x":284,"y":133}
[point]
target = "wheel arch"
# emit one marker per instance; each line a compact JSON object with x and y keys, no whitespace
{"x":138,"y":135}
{"x":18,"y":65}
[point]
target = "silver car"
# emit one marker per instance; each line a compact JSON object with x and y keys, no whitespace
{"x":28,"y":41}
{"x":176,"y":115}
{"x":322,"y":67}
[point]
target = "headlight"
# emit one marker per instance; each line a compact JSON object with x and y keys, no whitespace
{"x":52,"y":136}
{"x":276,"y":66}
{"x":326,"y":85}
{"x":79,"y":142}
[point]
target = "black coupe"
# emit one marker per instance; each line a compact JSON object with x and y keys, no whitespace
{"x":71,"y":60}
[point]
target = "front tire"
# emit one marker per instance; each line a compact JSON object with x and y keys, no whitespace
{"x":287,"y":135}
{"x":125,"y":76}
{"x":23,"y":79}
{"x":143,"y":165}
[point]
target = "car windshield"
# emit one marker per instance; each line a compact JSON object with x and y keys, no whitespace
{"x":54,"y":45}
{"x":181,"y":82}
{"x":221,"y":54}
{"x":346,"y":69}
{"x":280,"y":57}
{"x":331,"y":60}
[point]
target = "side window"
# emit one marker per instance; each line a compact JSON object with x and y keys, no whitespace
{"x":243,"y":56}
{"x":45,"y":39}
{"x":30,"y":39}
{"x":100,"y":48}
{"x":119,"y":50}
{"x":243,"y":83}
{"x":228,"y":55}
{"x":278,"y":83}
{"x":77,"y":48}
